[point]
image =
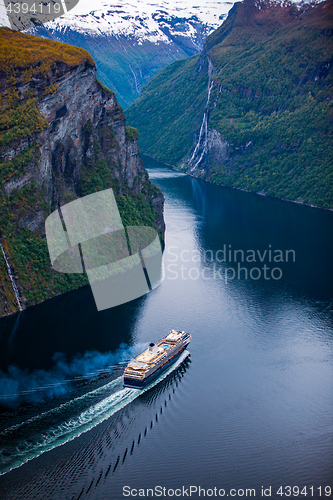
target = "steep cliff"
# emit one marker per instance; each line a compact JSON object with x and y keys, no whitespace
{"x":254,"y":109}
{"x":62,"y":136}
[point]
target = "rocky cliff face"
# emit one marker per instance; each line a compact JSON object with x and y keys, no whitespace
{"x":63,"y":135}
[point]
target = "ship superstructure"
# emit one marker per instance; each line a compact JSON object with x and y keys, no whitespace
{"x":154,"y":360}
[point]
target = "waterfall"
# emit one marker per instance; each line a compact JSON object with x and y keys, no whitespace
{"x":201,"y":147}
{"x":137,"y":84}
{"x":210,"y":86}
{"x":12,"y":280}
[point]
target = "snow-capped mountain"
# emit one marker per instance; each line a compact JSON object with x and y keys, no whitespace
{"x":132,"y":40}
{"x":143,"y":20}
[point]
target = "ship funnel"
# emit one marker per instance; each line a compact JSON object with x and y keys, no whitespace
{"x":151,"y":345}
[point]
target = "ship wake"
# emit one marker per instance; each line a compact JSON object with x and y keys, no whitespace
{"x":29,"y":439}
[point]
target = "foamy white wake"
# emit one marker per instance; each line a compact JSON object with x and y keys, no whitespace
{"x":50,"y":429}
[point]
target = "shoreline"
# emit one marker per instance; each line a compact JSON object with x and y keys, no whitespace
{"x":239,"y":189}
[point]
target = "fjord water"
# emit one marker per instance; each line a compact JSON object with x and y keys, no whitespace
{"x":251,"y":407}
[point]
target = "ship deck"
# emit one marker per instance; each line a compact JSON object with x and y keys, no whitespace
{"x":160,"y":348}
{"x":151,"y":356}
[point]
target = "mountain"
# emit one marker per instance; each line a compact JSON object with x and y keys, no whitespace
{"x":254,"y":109}
{"x":131,"y":41}
{"x":62,"y":136}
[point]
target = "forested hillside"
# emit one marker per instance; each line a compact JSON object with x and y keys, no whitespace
{"x":254,"y":109}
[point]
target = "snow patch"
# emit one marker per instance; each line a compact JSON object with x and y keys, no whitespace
{"x":141,"y":19}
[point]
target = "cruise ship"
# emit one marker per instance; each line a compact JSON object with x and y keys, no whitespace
{"x":154,"y":360}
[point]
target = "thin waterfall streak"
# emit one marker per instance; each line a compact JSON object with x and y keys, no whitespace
{"x":200,"y":135}
{"x":209,"y":91}
{"x":12,"y":280}
{"x":137,"y":86}
{"x":202,"y":142}
{"x":203,"y":134}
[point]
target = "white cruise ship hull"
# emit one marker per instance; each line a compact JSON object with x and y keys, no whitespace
{"x":137,"y":377}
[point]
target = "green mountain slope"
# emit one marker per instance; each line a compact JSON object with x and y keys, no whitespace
{"x":254,"y":109}
{"x":122,"y":66}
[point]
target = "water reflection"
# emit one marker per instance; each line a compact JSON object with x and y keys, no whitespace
{"x":69,"y":324}
{"x":255,"y":407}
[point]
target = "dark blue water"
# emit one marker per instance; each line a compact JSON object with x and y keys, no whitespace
{"x":250,"y":408}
